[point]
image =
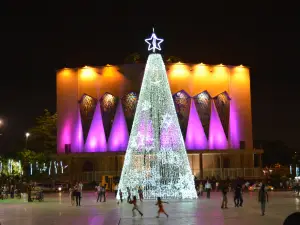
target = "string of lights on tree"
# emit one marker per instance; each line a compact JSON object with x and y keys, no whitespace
{"x":156,"y":157}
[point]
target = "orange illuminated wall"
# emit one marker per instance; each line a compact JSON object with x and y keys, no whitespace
{"x":119,"y":80}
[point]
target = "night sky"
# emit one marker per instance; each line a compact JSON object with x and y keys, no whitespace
{"x":34,"y":47}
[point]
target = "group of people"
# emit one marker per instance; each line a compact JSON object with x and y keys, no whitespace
{"x":101,"y":193}
{"x":6,"y":190}
{"x":238,"y":197}
{"x":76,"y":193}
{"x":238,"y":194}
{"x":133,"y":201}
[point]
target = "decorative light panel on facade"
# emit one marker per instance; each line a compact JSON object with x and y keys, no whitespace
{"x":222,"y":102}
{"x":87,"y":104}
{"x":87,"y":108}
{"x":108,"y":104}
{"x":129,"y":102}
{"x":203,"y":106}
{"x":182,"y":105}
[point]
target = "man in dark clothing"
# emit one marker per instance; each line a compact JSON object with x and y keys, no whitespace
{"x":103,"y":193}
{"x":238,"y":200}
{"x":77,"y":194}
{"x":29,"y":188}
{"x":224,"y":194}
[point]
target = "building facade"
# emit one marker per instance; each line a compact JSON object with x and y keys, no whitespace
{"x":96,"y":107}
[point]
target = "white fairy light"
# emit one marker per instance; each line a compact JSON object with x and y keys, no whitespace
{"x":156,"y":157}
{"x":8,"y":165}
{"x":154,"y":41}
{"x":55,"y":167}
{"x":50,"y":164}
{"x":30,"y":168}
{"x":61,"y":166}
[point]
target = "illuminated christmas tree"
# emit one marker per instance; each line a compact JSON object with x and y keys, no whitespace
{"x":156,"y":157}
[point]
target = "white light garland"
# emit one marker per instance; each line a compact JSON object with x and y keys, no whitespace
{"x":49,"y":171}
{"x":156,"y":157}
{"x":61,"y":167}
{"x":55,"y":167}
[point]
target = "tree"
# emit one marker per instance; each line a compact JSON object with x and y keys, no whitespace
{"x":275,"y":152}
{"x":33,"y":159}
{"x":133,"y":58}
{"x":43,"y":134}
{"x":156,"y":157}
{"x":173,"y":59}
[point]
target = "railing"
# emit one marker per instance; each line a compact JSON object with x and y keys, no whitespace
{"x":95,"y":175}
{"x":224,"y":173}
{"x":233,"y":172}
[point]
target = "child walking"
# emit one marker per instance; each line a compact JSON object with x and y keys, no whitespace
{"x":135,"y":207}
{"x":71,"y":194}
{"x":159,"y":203}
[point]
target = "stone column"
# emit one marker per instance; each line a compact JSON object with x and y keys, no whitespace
{"x":116,"y":164}
{"x":260,"y":161}
{"x":242,"y":159}
{"x":201,"y":165}
{"x":221,"y":165}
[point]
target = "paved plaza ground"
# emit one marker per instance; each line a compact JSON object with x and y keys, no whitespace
{"x":56,"y":210}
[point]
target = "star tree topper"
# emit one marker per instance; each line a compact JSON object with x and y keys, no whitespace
{"x":154,"y":41}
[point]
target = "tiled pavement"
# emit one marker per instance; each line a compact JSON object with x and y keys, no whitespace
{"x":56,"y":210}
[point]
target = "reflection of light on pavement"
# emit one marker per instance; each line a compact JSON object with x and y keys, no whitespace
{"x":297,"y":201}
{"x":96,"y":220}
{"x":59,"y":197}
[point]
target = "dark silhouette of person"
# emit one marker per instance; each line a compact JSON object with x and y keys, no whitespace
{"x":238,"y":200}
{"x":293,"y":219}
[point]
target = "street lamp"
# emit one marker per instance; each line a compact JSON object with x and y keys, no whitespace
{"x":1,"y":123}
{"x":26,"y":135}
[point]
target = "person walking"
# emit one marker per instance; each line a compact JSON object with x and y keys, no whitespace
{"x":238,"y":200}
{"x":128,"y":194}
{"x":71,"y":195}
{"x":140,"y":191}
{"x":121,"y":196}
{"x":103,"y":193}
{"x":135,"y":207}
{"x":263,"y":198}
{"x":77,"y":194}
{"x":159,"y":203}
{"x":200,"y":189}
{"x":224,"y":196}
{"x":98,"y":188}
{"x":29,"y":189}
{"x":217,"y":186}
{"x":116,"y":187}
{"x":208,"y":188}
{"x":80,"y":186}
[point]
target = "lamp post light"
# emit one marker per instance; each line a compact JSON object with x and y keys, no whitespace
{"x":26,"y":135}
{"x":1,"y":124}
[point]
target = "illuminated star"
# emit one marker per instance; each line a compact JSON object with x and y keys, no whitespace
{"x":154,"y":41}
